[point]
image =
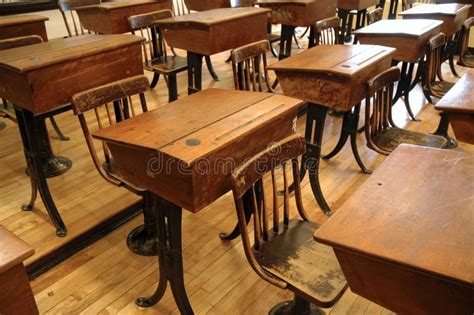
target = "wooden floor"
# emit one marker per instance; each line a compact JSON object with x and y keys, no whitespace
{"x":106,"y":278}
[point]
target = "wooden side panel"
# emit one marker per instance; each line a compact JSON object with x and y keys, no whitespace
{"x":451,"y":23}
{"x":53,"y":86}
{"x":463,"y":126}
{"x":401,"y":290}
{"x":35,"y":28}
{"x":409,"y":49}
{"x":202,"y":5}
{"x":218,"y":37}
{"x":16,"y":296}
{"x":301,"y":15}
{"x":15,"y":88}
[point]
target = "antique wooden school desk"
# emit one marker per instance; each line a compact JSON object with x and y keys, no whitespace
{"x":452,"y":15}
{"x":42,"y":78}
{"x":409,"y":37}
{"x":23,"y":25}
{"x":406,"y":242}
{"x":112,"y":17}
{"x":184,"y":152}
{"x":294,"y":13}
{"x":213,"y":31}
{"x":458,"y":104}
{"x":330,"y":76}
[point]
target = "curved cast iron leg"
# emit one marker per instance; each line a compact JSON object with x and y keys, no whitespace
{"x":142,"y":240}
{"x":168,"y":226}
{"x":311,"y":160}
{"x":194,"y":72}
{"x":210,"y":68}
{"x":154,"y":81}
{"x":353,"y":134}
{"x":35,"y":139}
{"x":34,"y":193}
{"x":58,"y":131}
{"x":442,"y":130}
{"x":342,"y":138}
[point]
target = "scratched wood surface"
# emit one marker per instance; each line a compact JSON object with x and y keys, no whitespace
{"x":453,"y":15}
{"x":423,"y":245}
{"x":107,"y":277}
{"x":23,"y":25}
{"x":332,"y":76}
{"x":200,"y":139}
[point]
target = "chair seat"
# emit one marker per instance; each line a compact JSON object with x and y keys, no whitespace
{"x":440,"y":88}
{"x":168,"y":65}
{"x":391,"y":138}
{"x":468,"y":61}
{"x":273,"y":38}
{"x":309,"y":267}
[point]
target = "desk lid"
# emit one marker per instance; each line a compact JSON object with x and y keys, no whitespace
{"x":460,"y":98}
{"x":343,"y":60}
{"x":59,"y":50}
{"x":21,"y":19}
{"x":437,"y":9}
{"x":416,"y":210}
{"x":212,"y":17}
{"x":409,"y":28}
{"x":13,"y":250}
{"x":202,"y":116}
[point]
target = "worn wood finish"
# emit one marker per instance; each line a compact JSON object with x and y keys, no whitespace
{"x":213,"y":31}
{"x":471,"y":11}
{"x":27,"y":74}
{"x":409,"y":37}
{"x":452,"y":15}
{"x":16,"y":297}
{"x":203,"y":5}
{"x":465,"y":58}
{"x":186,"y":160}
{"x":411,"y":255}
{"x":23,"y":25}
{"x":20,"y":41}
{"x":458,"y":103}
{"x":356,"y":4}
{"x":112,"y":17}
{"x":334,"y":75}
{"x":299,"y":12}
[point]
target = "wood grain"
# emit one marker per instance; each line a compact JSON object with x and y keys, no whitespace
{"x":411,"y":255}
{"x":23,"y":25}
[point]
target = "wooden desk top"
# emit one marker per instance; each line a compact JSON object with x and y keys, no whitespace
{"x":332,"y":75}
{"x":13,"y":250}
{"x":21,"y":19}
{"x":44,"y":76}
{"x":60,"y":50}
{"x":471,"y":11}
{"x":192,"y":135}
{"x":356,"y":4}
{"x":437,"y":9}
{"x":402,"y":28}
{"x":460,"y":98}
{"x":409,"y":37}
{"x":212,"y":17}
{"x":112,"y":5}
{"x":422,"y":220}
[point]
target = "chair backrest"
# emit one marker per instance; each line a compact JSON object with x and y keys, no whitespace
{"x":465,"y":34}
{"x":71,"y":20}
{"x":98,"y":100}
{"x":20,"y":41}
{"x":327,"y":32}
{"x":374,"y":16}
{"x":378,"y":105}
{"x":144,"y":25}
{"x":434,"y":55}
{"x":180,"y":8}
{"x":247,"y":179}
{"x":249,"y":66}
